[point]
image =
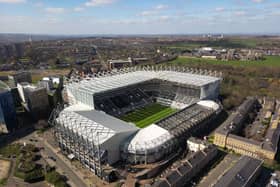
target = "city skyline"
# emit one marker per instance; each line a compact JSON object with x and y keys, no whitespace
{"x":133,"y":17}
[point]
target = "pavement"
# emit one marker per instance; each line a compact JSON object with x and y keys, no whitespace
{"x":75,"y":177}
{"x":65,"y":168}
{"x":62,"y":164}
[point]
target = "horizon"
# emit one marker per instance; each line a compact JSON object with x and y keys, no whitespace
{"x":167,"y":34}
{"x":123,"y":17}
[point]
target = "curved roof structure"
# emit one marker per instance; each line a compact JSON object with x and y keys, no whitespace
{"x":210,"y":104}
{"x":148,"y":138}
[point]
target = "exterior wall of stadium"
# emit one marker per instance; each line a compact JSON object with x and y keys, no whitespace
{"x":149,"y":145}
{"x":105,"y":140}
{"x":78,"y":127}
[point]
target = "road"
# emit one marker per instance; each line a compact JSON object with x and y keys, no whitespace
{"x":67,"y":171}
{"x":74,"y":180}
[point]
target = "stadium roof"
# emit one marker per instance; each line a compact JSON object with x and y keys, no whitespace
{"x":209,"y":104}
{"x":106,"y":120}
{"x":106,"y":83}
{"x":93,"y":125}
{"x":149,"y":138}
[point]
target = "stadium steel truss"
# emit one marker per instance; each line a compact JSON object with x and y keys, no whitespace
{"x":89,"y":130}
{"x":82,"y":143}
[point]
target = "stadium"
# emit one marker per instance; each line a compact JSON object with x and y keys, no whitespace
{"x":135,"y":115}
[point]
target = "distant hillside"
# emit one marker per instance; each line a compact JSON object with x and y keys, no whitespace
{"x":15,"y":38}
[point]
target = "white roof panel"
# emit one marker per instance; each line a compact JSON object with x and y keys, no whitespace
{"x":149,"y":138}
{"x":93,"y":125}
{"x":102,"y":84}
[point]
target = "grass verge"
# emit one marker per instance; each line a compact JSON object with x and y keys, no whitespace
{"x":273,"y":61}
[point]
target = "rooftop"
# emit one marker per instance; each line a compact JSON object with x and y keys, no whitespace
{"x":93,"y":124}
{"x":109,"y":121}
{"x":149,"y":137}
{"x":95,"y":85}
{"x":240,"y":173}
{"x":235,"y":121}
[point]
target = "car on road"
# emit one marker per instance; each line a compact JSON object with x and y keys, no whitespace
{"x":52,"y":158}
{"x":33,"y":140}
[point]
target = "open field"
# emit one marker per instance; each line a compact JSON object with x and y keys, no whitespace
{"x":228,"y":42}
{"x":271,"y":61}
{"x":148,"y":115}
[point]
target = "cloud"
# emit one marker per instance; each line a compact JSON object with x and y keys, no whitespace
{"x":79,"y":9}
{"x":12,"y":1}
{"x":164,"y":19}
{"x":161,"y":7}
{"x":276,"y":13}
{"x":50,"y":20}
{"x":258,"y":1}
{"x":38,"y":4}
{"x":52,"y":24}
{"x":148,"y":13}
{"x":154,"y":11}
{"x":239,"y":13}
{"x":220,"y":9}
{"x":53,"y":10}
{"x":95,"y":3}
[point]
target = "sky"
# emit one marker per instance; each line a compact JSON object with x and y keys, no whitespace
{"x":75,"y":17}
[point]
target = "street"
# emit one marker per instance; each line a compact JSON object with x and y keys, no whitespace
{"x":60,"y":164}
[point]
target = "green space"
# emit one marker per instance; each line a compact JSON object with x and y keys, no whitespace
{"x":251,"y":43}
{"x":3,"y":182}
{"x":147,"y":115}
{"x":185,"y":46}
{"x":221,"y":43}
{"x":27,"y":167}
{"x":240,"y":78}
{"x":10,"y":150}
{"x":268,"y":61}
{"x":36,"y":78}
{"x":55,"y":178}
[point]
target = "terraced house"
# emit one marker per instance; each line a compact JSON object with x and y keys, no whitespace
{"x":258,"y":139}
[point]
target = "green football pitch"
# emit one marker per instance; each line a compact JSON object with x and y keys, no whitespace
{"x":147,"y":115}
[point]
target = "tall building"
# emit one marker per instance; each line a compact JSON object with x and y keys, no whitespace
{"x":8,"y":120}
{"x":19,"y":77}
{"x":34,"y":99}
